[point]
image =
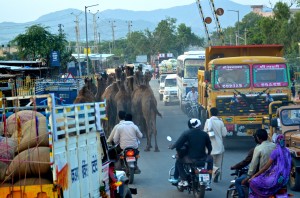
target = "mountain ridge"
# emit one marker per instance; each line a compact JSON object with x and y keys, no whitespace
{"x":141,"y":20}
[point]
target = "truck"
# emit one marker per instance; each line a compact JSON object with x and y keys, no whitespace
{"x":77,"y":157}
{"x":240,"y":81}
{"x":290,"y":127}
{"x":165,"y":67}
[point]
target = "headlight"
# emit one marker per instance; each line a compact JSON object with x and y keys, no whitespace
{"x":166,"y":92}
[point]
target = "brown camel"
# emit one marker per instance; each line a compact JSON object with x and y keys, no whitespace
{"x":123,"y":97}
{"x":109,"y":95}
{"x":84,"y":95}
{"x":144,"y":109}
{"x":101,"y":86}
{"x":91,"y":86}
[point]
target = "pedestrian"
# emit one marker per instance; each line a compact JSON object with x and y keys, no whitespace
{"x":216,"y":131}
{"x":293,"y":89}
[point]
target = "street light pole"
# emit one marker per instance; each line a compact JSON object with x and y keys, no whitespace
{"x":86,"y":37}
{"x":238,"y":26}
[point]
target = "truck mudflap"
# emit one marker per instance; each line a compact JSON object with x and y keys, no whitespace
{"x":76,"y":151}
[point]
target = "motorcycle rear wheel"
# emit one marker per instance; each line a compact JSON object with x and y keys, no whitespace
{"x":130,"y":175}
{"x":199,"y":192}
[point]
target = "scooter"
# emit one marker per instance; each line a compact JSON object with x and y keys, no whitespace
{"x":198,"y":178}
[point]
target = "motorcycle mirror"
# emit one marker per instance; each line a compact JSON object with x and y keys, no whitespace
{"x":169,"y":138}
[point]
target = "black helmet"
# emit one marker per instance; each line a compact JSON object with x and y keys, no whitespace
{"x":194,"y":123}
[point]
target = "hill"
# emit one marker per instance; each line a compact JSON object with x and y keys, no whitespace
{"x":141,"y":20}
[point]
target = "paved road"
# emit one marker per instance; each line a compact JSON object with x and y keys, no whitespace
{"x":153,"y":181}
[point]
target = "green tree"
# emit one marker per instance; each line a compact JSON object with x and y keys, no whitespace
{"x":164,"y":35}
{"x":186,"y":38}
{"x":37,"y":42}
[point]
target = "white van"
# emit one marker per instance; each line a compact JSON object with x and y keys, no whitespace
{"x":170,"y":91}
{"x":161,"y":89}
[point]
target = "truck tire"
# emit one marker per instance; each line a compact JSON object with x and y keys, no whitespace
{"x":294,"y":181}
{"x":160,"y":96}
{"x":203,"y":116}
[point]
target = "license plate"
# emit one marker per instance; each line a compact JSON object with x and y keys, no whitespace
{"x":203,"y":177}
{"x":130,"y":159}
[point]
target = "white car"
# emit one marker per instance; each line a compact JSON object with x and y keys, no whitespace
{"x":171,"y":89}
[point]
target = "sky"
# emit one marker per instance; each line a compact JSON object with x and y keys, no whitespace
{"x":21,"y":11}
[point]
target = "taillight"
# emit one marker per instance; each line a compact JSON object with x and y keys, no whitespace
{"x":130,"y":153}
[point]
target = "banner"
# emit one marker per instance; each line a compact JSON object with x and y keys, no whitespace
{"x":55,"y":59}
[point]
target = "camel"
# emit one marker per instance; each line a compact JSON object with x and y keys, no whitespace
{"x":123,"y":97}
{"x":101,"y":86}
{"x":91,"y":86}
{"x":84,"y":95}
{"x":109,"y":95}
{"x":144,"y":109}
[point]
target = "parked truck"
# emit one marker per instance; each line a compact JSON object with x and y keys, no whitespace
{"x":241,"y":81}
{"x":73,"y":162}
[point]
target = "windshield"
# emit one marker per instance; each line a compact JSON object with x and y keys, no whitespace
{"x":232,"y":76}
{"x":290,"y":117}
{"x":162,"y":78}
{"x":270,"y":75}
{"x":170,"y":83}
{"x":191,"y":67}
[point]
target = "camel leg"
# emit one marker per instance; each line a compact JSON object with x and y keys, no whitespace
{"x":155,"y":140}
{"x":148,"y":140}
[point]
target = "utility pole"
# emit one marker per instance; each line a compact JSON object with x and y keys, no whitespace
{"x":86,"y":39}
{"x":129,"y":23}
{"x":113,"y":33}
{"x":60,"y":29}
{"x":95,"y":32}
{"x":77,"y":41}
{"x":245,"y":35}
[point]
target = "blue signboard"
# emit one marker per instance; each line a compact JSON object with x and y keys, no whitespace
{"x":55,"y":59}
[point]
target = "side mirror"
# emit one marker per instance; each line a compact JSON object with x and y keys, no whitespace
{"x":274,"y":122}
{"x":207,"y":76}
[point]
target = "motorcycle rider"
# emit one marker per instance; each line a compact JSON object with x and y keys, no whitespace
{"x":242,"y":164}
{"x":127,"y":135}
{"x":261,"y":153}
{"x":121,"y":115}
{"x":198,"y":141}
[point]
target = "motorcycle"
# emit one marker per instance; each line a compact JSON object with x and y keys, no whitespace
{"x":197,"y":177}
{"x":127,"y":161}
{"x":232,"y":192}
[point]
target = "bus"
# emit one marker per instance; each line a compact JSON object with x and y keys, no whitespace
{"x":188,"y":65}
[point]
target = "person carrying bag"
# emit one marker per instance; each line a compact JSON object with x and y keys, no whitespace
{"x":216,"y":131}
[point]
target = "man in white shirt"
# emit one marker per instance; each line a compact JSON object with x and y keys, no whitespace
{"x":192,"y":95}
{"x":121,"y":115}
{"x":127,"y":134}
{"x":216,"y":130}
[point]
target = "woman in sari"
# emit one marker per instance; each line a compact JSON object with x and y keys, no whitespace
{"x":275,"y":174}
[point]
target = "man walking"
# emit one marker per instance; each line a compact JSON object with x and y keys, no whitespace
{"x":216,"y":131}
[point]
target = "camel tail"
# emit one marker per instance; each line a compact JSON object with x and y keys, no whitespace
{"x":155,"y":108}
